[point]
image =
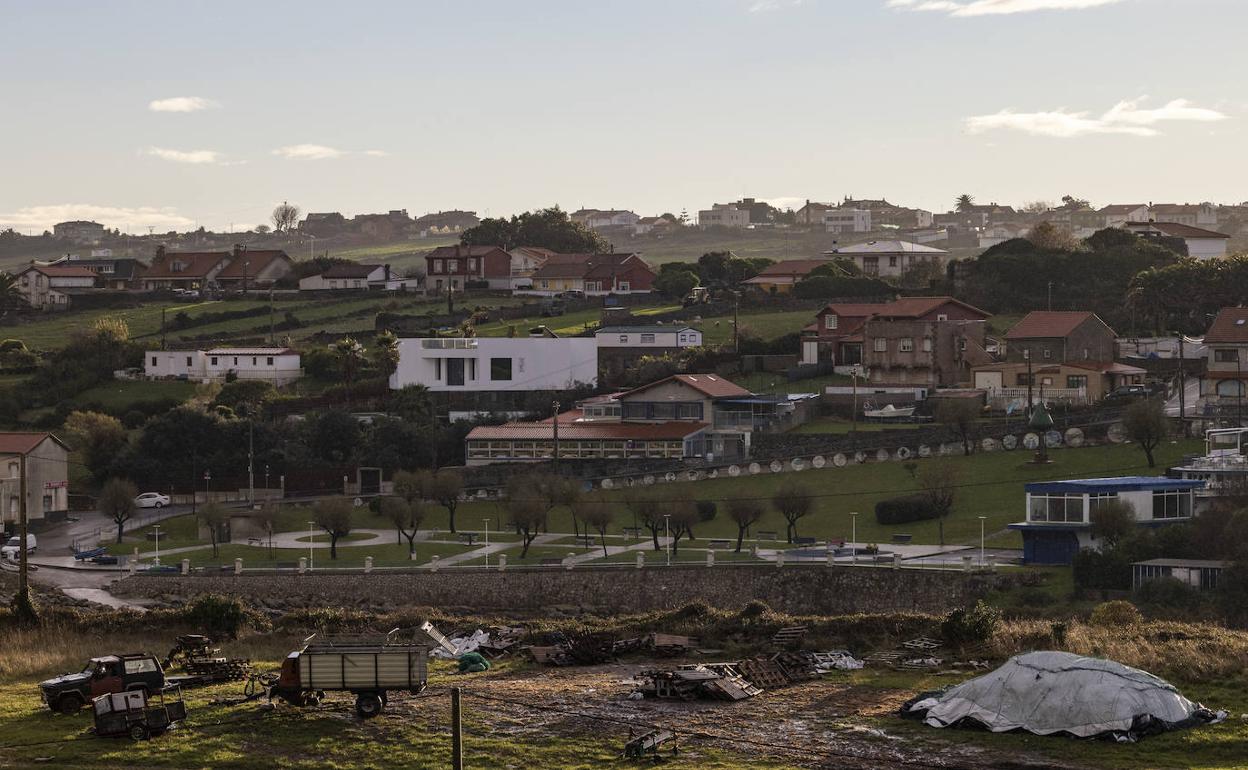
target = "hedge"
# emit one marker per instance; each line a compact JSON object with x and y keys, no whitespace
{"x":903,"y":510}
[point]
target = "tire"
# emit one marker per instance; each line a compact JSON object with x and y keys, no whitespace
{"x":159,"y":504}
{"x":368,"y":705}
{"x":139,"y":733}
{"x":70,"y":703}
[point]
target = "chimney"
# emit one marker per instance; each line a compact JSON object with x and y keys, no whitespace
{"x":160,"y":252}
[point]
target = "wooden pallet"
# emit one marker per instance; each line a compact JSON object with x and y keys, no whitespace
{"x":762,"y":672}
{"x":789,"y":636}
{"x":923,"y":644}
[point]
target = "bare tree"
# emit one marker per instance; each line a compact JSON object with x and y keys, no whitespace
{"x":213,"y":517}
{"x":285,"y":217}
{"x":595,"y":510}
{"x":938,"y":483}
{"x":794,"y":501}
{"x":334,"y":515}
{"x":1145,"y":423}
{"x":446,"y":487}
{"x":959,"y":414}
{"x":679,"y":513}
{"x":745,"y":513}
{"x":525,"y":504}
{"x":117,"y":502}
{"x":1112,"y":522}
{"x":406,"y":516}
{"x":645,"y":507}
{"x":268,"y":517}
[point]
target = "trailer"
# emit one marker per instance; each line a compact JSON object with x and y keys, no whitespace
{"x":138,"y":715}
{"x":369,"y":667}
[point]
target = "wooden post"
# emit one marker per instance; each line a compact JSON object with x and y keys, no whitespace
{"x":23,"y":582}
{"x":457,"y":731}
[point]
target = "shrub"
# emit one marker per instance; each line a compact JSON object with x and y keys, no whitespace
{"x":221,"y":616}
{"x":755,"y":609}
{"x":134,"y":419}
{"x":972,"y":626}
{"x":1116,"y":614}
{"x":1102,"y":569}
{"x":903,"y":510}
{"x":1169,"y":592}
{"x":707,"y":510}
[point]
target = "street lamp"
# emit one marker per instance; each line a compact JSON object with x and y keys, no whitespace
{"x":487,"y":542}
{"x":207,"y":478}
{"x":311,"y":540}
{"x":853,"y":536}
{"x":981,"y":541}
{"x":667,"y":534}
{"x":156,"y":560}
{"x":555,"y":429}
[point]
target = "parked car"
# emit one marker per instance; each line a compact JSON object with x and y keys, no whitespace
{"x":1127,"y":393}
{"x":112,"y":673}
{"x":9,"y":551}
{"x":151,"y":500}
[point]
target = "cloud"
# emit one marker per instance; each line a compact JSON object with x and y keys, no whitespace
{"x":308,"y":152}
{"x":185,"y":156}
{"x":137,"y":219}
{"x":996,"y":7}
{"x":1125,"y":117}
{"x":181,"y":104}
{"x":376,"y":153}
{"x":763,"y":6}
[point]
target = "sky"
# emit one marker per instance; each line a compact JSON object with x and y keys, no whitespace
{"x":172,"y":115}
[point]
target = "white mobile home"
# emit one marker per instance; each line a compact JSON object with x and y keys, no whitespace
{"x":276,"y":365}
{"x":496,"y":363}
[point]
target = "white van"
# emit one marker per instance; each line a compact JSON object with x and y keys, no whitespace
{"x":9,"y":551}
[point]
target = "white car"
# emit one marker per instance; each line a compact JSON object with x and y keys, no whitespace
{"x":151,"y":500}
{"x":9,"y":551}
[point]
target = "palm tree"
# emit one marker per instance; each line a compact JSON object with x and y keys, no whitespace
{"x":11,"y":296}
{"x":965,"y":202}
{"x":385,"y":353}
{"x":351,"y":356}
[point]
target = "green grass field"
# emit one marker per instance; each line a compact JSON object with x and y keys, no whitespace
{"x":119,"y":395}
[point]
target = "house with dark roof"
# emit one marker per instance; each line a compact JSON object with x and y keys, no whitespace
{"x":355,"y":276}
{"x":254,"y":268}
{"x":781,"y":277}
{"x":44,"y":459}
{"x":1070,"y":354}
{"x":51,"y":287}
{"x":593,"y":274}
{"x":184,"y":269}
{"x":1226,"y":373}
{"x":112,"y":273}
{"x":1201,"y":243}
{"x":452,"y":268}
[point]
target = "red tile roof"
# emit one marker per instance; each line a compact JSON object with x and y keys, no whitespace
{"x":711,"y":385}
{"x":916,"y":307}
{"x":791,"y":267}
{"x":585,"y":265}
{"x":249,"y":263}
{"x":1049,"y":323}
{"x":197,"y":264}
{"x":24,"y":443}
{"x":1179,"y":231}
{"x":617,"y":431}
{"x":1231,"y":325}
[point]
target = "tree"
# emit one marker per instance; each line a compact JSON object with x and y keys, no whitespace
{"x":334,"y":515}
{"x":412,"y":404}
{"x":1037,"y":207}
{"x":1112,"y":522}
{"x":745,"y":513}
{"x":245,"y":396}
{"x":1047,"y":235}
{"x":285,"y":217}
{"x":546,"y":228}
{"x":213,"y":517}
{"x":445,"y":488}
{"x":11,"y":296}
{"x":406,"y":516}
{"x":262,"y":229}
{"x":678,"y":514}
{"x":595,"y":510}
{"x":965,"y":202}
{"x":385,"y":353}
{"x":351,"y":357}
{"x":268,"y":518}
{"x":959,"y":414}
{"x":938,"y":483}
{"x":411,"y":485}
{"x":525,"y":507}
{"x":1145,"y":423}
{"x":676,"y":283}
{"x":332,"y":436}
{"x":793,"y":500}
{"x":644,"y":505}
{"x":99,"y":437}
{"x":116,"y":501}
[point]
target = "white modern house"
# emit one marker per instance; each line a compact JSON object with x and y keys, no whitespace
{"x":483,"y":364}
{"x":890,"y":258}
{"x":1201,"y":244}
{"x":847,"y":220}
{"x":651,"y":336}
{"x":723,"y":215}
{"x":279,"y":366}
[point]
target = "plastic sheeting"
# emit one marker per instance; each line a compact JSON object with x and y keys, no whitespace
{"x":1057,"y":692}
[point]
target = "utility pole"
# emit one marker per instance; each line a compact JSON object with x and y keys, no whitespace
{"x":251,"y":457}
{"x":162,"y":329}
{"x":736,"y":326}
{"x":271,"y":322}
{"x":1027,"y":355}
{"x":1182,"y":389}
{"x":555,"y":407}
{"x":1050,"y":296}
{"x":24,"y":608}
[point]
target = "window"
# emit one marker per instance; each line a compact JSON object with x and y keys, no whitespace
{"x":1046,"y":381}
{"x":500,"y":369}
{"x":942,"y":317}
{"x":1087,"y":353}
{"x":236,"y":360}
{"x":269,"y":361}
{"x":829,"y":321}
{"x":144,"y":666}
{"x":14,"y":470}
{"x":1099,"y":500}
{"x":647,"y":339}
{"x":472,"y":264}
{"x":472,"y":369}
{"x":437,"y":369}
{"x":927,"y":344}
{"x":623,"y":339}
{"x":1055,"y":508}
{"x":689,"y":411}
{"x":1076,"y":381}
{"x":47,"y":503}
{"x":881,"y":345}
{"x":188,"y":362}
{"x":1047,"y":354}
{"x":214,"y":360}
{"x":1175,"y":504}
{"x":905,"y":345}
{"x":1022,"y":380}
{"x":153,"y":360}
{"x":255,"y":360}
{"x":892,"y":262}
{"x":455,"y":371}
{"x":625,"y":286}
{"x":1226,"y":355}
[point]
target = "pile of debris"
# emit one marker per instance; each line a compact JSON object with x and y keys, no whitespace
{"x":920,"y":654}
{"x":745,"y":678}
{"x":494,"y":643}
{"x":590,"y":648}
{"x":204,"y":663}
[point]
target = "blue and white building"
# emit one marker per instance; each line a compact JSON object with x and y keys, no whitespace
{"x":1059,"y":513}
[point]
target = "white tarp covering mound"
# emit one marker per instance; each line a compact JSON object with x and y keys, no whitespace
{"x":1058,"y":692}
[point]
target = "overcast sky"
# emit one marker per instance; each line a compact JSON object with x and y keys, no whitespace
{"x":173,"y":114}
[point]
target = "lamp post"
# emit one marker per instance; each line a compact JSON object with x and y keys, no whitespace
{"x":207,"y":479}
{"x":853,"y":535}
{"x":1041,"y":422}
{"x":554,"y":406}
{"x":156,"y":560}
{"x":981,"y":541}
{"x":311,"y":540}
{"x":1182,"y":387}
{"x":667,"y":534}
{"x":487,"y":542}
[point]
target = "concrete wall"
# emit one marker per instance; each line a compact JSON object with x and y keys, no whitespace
{"x":814,"y":589}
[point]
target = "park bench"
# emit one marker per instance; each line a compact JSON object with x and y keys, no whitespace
{"x":468,"y":537}
{"x":805,"y":541}
{"x":586,"y":540}
{"x":724,"y":544}
{"x":902,"y":539}
{"x":766,"y":534}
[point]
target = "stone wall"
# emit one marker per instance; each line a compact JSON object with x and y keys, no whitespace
{"x":804,"y":589}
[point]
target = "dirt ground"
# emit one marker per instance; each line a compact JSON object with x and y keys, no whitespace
{"x":823,"y":723}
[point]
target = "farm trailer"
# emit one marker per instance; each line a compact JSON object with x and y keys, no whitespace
{"x":367,"y":667}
